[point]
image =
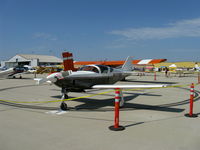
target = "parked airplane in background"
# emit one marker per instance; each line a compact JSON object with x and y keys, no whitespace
{"x":13,"y":72}
{"x":90,"y":76}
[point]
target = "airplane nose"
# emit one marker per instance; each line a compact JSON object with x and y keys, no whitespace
{"x":54,"y":77}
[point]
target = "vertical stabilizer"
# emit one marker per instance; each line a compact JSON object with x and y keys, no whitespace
{"x":128,"y":66}
{"x":68,"y":61}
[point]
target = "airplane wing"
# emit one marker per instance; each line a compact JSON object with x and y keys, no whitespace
{"x":5,"y":73}
{"x":120,"y":62}
{"x":17,"y":74}
{"x":148,"y":61}
{"x":106,"y":86}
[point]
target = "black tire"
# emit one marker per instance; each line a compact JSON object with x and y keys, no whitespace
{"x":63,"y":106}
{"x":124,"y":79}
{"x":66,"y":96}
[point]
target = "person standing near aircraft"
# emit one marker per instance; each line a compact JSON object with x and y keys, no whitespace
{"x":166,"y":72}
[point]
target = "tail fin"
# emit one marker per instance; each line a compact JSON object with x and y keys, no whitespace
{"x":68,"y":61}
{"x":128,"y":66}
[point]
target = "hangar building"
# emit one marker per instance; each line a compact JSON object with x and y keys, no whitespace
{"x":31,"y":60}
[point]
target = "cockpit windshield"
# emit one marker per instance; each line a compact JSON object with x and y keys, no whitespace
{"x":89,"y":68}
{"x":104,"y":69}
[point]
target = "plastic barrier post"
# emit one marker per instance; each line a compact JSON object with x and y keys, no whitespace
{"x":116,"y":126}
{"x":191,"y":102}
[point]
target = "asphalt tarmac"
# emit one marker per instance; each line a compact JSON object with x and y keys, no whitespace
{"x":153,"y":118}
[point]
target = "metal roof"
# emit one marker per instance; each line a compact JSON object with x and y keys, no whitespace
{"x":42,"y":58}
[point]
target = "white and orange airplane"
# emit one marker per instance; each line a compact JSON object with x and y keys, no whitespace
{"x":120,"y":62}
{"x":90,"y":76}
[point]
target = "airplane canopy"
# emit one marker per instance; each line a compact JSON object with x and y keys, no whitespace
{"x":95,"y":68}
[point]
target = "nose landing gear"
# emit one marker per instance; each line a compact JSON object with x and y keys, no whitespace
{"x":63,"y":105}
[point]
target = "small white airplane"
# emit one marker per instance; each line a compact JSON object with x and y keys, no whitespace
{"x":90,"y":76}
{"x":13,"y":72}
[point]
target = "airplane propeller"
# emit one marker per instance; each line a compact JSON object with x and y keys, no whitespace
{"x":52,"y":78}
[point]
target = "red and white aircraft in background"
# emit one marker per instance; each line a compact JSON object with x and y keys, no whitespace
{"x":120,"y":62}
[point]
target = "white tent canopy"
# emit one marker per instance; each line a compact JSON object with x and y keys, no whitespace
{"x":172,"y":66}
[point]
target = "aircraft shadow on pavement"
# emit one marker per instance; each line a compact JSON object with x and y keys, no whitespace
{"x":100,"y":105}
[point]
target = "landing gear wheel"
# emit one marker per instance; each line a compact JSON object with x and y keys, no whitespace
{"x":124,"y":79}
{"x":63,"y":106}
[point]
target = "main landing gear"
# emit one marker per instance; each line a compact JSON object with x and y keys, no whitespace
{"x":63,"y":105}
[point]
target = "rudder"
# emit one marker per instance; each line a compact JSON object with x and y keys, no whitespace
{"x":68,"y":61}
{"x":128,"y":66}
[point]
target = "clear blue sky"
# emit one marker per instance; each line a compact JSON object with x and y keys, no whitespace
{"x":101,"y":29}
